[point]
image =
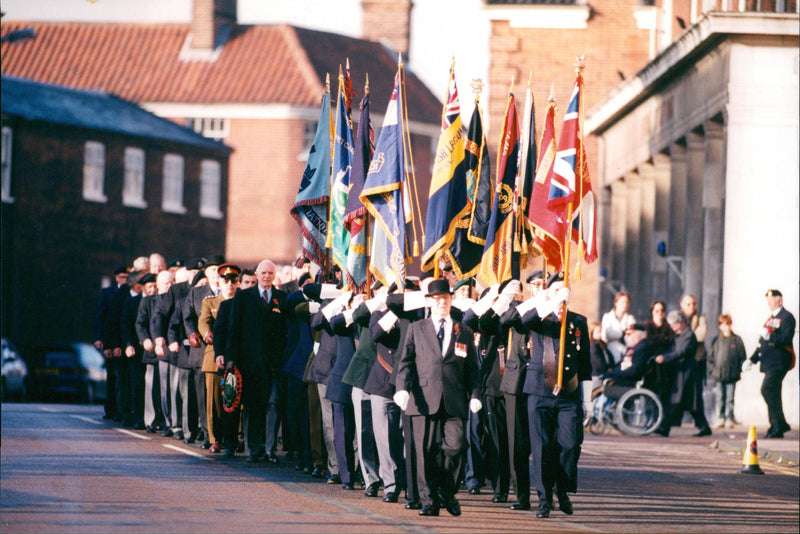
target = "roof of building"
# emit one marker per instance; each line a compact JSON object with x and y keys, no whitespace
{"x":35,"y":101}
{"x":261,"y":64}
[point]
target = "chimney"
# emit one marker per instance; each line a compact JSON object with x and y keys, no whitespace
{"x":387,"y":21}
{"x":208,"y":16}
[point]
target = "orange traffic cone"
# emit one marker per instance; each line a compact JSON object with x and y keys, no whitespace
{"x":750,"y":461}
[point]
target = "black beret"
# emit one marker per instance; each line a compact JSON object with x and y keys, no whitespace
{"x":535,"y":275}
{"x":177,"y":262}
{"x":146,"y":278}
{"x":637,"y":326}
{"x":199,"y":276}
{"x":464,"y":282}
{"x":121,"y":269}
{"x":555,"y":277}
{"x":376,"y":285}
{"x":305,"y":277}
{"x":773,"y":293}
{"x":195,"y":264}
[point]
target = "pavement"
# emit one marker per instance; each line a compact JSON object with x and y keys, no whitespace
{"x":785,"y":451}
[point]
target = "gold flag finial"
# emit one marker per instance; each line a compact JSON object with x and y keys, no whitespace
{"x":530,"y":78}
{"x":580,"y":63}
{"x":399,"y":59}
{"x":366,"y":85}
{"x":511,"y":89}
{"x":328,"y":82}
{"x":340,"y":70}
{"x":477,"y":88}
{"x":347,"y":63}
{"x":552,"y":96}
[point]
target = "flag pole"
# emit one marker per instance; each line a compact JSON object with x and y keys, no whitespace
{"x":579,"y":63}
{"x":409,"y":163}
{"x":366,"y":215}
{"x":328,"y":270}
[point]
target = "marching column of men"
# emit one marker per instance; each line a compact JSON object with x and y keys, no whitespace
{"x":386,"y":390}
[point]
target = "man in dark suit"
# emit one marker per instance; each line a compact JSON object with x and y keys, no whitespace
{"x":776,"y":354}
{"x":555,"y":415}
{"x":256,"y":343}
{"x":132,"y":361}
{"x":108,"y":337}
{"x":439,"y":369}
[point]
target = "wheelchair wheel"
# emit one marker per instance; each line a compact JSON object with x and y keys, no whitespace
{"x":638,"y":412}
{"x":596,"y":426}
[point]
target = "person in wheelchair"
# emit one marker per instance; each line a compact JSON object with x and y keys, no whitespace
{"x":632,"y":366}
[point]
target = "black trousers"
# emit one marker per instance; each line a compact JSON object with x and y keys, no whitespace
{"x":256,"y":390}
{"x":496,"y":444}
{"x":519,"y":445}
{"x":556,"y":426}
{"x":440,"y":442}
{"x":771,"y":391}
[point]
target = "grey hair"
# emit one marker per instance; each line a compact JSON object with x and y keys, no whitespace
{"x":676,"y":317}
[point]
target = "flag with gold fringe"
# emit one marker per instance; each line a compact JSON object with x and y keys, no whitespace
{"x":311,"y":203}
{"x":338,"y":237}
{"x":447,"y":199}
{"x":497,"y":264}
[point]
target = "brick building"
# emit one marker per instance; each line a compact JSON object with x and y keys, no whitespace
{"x":90,"y":181}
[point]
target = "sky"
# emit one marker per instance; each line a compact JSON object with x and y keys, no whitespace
{"x":441,"y":29}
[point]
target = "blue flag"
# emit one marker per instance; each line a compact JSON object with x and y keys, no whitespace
{"x":385,"y":196}
{"x":310,"y":205}
{"x":355,"y":213}
{"x":338,"y":237}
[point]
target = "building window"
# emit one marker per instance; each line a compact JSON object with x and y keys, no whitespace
{"x":6,"y":176}
{"x":210,"y":186}
{"x":172,"y":200}
{"x":94,"y":170}
{"x":215,"y":128}
{"x":133,"y":188}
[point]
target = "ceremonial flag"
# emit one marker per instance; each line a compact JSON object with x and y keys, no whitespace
{"x":310,"y":205}
{"x":447,"y":199}
{"x":385,"y":195}
{"x":497,"y":264}
{"x":525,"y":177}
{"x":470,"y":230}
{"x":355,"y":212}
{"x":548,"y":227}
{"x":338,"y":237}
{"x":571,"y":170}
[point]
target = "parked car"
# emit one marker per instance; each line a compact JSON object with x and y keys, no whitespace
{"x":15,"y":373}
{"x":75,"y":370}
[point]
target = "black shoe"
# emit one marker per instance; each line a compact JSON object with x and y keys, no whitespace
{"x":453,"y":507}
{"x":138,"y":426}
{"x":167,"y":433}
{"x":348,"y":486}
{"x":191,"y":438}
{"x":151,"y":430}
{"x":178,"y":435}
{"x":564,"y":504}
{"x":544,"y":511}
{"x":413,"y":505}
{"x":474,"y":491}
{"x":705,"y":431}
{"x":663,"y":432}
{"x":372,"y":490}
{"x":392,"y":496}
{"x":252,"y":459}
{"x":430,"y":510}
{"x":318,"y":472}
{"x":334,"y":479}
{"x":229,"y":452}
{"x":784,"y":428}
{"x":205,"y":445}
{"x":520,"y":505}
{"x":774,"y":434}
{"x":108,"y":416}
{"x":500,"y":497}
{"x":272,"y":458}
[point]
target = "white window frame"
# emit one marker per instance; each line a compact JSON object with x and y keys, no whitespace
{"x":172,"y":194}
{"x":94,"y":171}
{"x":218,"y":128}
{"x":133,"y":186}
{"x":210,"y":189}
{"x":8,"y":138}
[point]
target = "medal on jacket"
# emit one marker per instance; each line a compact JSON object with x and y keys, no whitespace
{"x":461,"y":350}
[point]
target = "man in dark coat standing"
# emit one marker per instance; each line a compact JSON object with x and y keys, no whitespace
{"x":776,"y":354}
{"x":439,"y":367}
{"x":555,"y":415}
{"x":256,"y":343}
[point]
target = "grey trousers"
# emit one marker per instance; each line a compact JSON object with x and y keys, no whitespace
{"x":327,"y":429}
{"x":365,"y":437}
{"x":163,"y":382}
{"x":389,"y":442}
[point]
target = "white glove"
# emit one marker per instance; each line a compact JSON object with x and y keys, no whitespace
{"x":401,"y":399}
{"x":530,"y":304}
{"x":348,"y":316}
{"x":329,"y":291}
{"x":463,"y":304}
{"x":336,"y":305}
{"x":513,"y":288}
{"x":313,"y":307}
{"x":551,"y":304}
{"x":765,"y":333}
{"x":475,"y":405}
{"x":586,"y":389}
{"x":388,"y":321}
{"x":376,"y":303}
{"x":502,"y":303}
{"x":746,"y":366}
{"x":414,"y":300}
{"x":486,"y":301}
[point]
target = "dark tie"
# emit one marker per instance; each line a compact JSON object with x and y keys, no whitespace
{"x":265,"y":298}
{"x":440,"y":334}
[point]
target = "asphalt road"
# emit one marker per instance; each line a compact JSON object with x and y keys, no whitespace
{"x":64,"y":469}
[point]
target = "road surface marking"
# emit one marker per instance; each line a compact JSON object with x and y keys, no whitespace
{"x":184,"y":451}
{"x":87,"y":419}
{"x":134,"y":434}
